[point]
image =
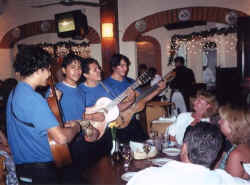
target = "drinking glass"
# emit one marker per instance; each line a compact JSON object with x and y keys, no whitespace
{"x":153,"y":134}
{"x":146,"y":148}
{"x":127,"y":155}
{"x":157,"y":143}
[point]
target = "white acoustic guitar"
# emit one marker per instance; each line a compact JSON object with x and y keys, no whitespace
{"x":110,"y":107}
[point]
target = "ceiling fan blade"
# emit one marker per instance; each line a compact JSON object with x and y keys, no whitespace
{"x":79,"y":2}
{"x":44,"y":5}
{"x":87,"y":3}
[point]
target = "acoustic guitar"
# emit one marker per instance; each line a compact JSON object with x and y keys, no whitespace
{"x":60,"y":152}
{"x":110,"y":107}
{"x":125,"y":117}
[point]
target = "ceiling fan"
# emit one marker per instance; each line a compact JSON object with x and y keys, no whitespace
{"x":44,"y":3}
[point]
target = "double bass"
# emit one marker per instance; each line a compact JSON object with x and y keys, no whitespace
{"x":60,"y":152}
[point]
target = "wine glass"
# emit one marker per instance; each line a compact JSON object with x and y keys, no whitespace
{"x":146,"y":148}
{"x":153,"y":134}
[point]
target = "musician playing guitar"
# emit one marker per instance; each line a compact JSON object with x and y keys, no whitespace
{"x":30,"y":120}
{"x":119,"y":82}
{"x":93,"y":90}
{"x":72,"y":104}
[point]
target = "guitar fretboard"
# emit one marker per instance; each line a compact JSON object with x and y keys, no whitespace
{"x":144,"y":78}
{"x":121,"y":97}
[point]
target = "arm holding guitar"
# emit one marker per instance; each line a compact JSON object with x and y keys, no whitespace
{"x":161,"y":87}
{"x":98,"y":116}
{"x":128,"y":101}
{"x":58,"y":94}
{"x":64,"y":135}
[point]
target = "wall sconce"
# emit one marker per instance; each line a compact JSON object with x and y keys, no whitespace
{"x":107,"y":30}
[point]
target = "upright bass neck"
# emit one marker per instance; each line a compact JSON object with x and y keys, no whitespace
{"x":54,"y":102}
{"x":60,"y":152}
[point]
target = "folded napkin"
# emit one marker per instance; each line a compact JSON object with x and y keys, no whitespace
{"x":139,"y":153}
{"x":170,"y":119}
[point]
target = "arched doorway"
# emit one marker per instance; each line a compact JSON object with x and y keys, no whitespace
{"x":149,"y":52}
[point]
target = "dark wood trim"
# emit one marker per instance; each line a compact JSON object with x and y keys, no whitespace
{"x":110,"y":46}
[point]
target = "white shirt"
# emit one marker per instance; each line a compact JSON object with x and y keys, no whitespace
{"x":178,"y":128}
{"x":178,"y":100}
{"x":157,"y":78}
{"x":178,"y":173}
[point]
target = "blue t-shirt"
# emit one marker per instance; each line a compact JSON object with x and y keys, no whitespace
{"x":103,"y":145}
{"x":94,"y":93}
{"x":118,"y":87}
{"x":72,"y":102}
{"x":29,"y":144}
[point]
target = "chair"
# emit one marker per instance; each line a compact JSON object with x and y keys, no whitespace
{"x":155,"y":110}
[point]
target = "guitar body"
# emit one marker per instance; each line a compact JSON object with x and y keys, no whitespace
{"x":125,"y":117}
{"x":60,"y":152}
{"x":110,"y":107}
{"x":111,"y":113}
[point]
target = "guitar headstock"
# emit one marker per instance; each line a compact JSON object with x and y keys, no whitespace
{"x":144,"y":78}
{"x":170,"y":76}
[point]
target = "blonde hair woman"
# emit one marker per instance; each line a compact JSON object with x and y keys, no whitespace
{"x":205,"y":106}
{"x":235,"y":125}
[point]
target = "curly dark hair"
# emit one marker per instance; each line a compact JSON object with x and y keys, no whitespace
{"x":31,"y":58}
{"x":116,"y":60}
{"x":204,"y":142}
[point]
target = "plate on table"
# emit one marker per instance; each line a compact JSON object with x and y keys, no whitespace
{"x":172,"y":151}
{"x":160,"y":161}
{"x":127,"y":176}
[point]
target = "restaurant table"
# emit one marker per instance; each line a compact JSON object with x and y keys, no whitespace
{"x":106,"y":171}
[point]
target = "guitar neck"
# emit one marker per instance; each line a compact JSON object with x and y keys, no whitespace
{"x":122,"y":96}
{"x":153,"y":88}
{"x":146,"y":92}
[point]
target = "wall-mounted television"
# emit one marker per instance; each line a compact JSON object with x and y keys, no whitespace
{"x":71,"y":24}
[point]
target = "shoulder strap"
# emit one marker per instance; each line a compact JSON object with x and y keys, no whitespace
{"x":14,"y":115}
{"x":107,"y":90}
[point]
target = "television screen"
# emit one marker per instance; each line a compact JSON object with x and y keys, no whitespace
{"x":70,"y":24}
{"x":66,"y":24}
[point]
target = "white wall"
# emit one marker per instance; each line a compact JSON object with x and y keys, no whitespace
{"x":18,"y":12}
{"x":129,"y":11}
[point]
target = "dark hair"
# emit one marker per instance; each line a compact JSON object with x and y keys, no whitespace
{"x":152,"y":71}
{"x":116,"y":60}
{"x":30,"y":59}
{"x":68,"y":59}
{"x":85,"y":66}
{"x":179,"y":59}
{"x":204,"y":142}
